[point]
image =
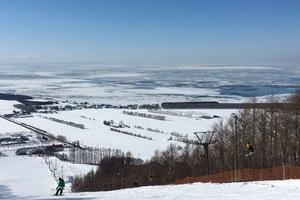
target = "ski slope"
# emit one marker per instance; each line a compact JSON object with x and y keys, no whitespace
{"x":268,"y":190}
{"x":24,"y":177}
{"x":29,"y":178}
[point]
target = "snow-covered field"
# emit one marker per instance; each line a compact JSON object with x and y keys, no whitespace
{"x":96,"y":134}
{"x":29,"y":178}
{"x":7,"y":107}
{"x":8,"y":127}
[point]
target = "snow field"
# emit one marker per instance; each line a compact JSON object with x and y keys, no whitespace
{"x":267,"y":190}
{"x":7,"y":107}
{"x":8,"y":127}
{"x":97,"y":134}
{"x":27,"y":177}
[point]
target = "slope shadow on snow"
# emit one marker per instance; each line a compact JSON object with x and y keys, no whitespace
{"x":5,"y":193}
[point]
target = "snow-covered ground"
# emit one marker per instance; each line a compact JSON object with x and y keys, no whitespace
{"x":29,"y":178}
{"x":96,"y":134}
{"x":8,"y":127}
{"x":7,"y":107}
{"x":268,"y":190}
{"x":24,"y":176}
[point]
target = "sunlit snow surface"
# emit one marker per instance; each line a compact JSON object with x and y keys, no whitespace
{"x":120,"y":84}
{"x":24,"y":177}
{"x":28,"y":178}
{"x":8,"y":127}
{"x":96,"y":134}
{"x":7,"y":107}
{"x":274,"y":190}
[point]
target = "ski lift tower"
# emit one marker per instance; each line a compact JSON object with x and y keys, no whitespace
{"x":205,"y":141}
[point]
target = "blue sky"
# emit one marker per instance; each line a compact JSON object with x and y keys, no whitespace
{"x":150,"y":31}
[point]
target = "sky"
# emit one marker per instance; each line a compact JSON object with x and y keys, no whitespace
{"x":150,"y":31}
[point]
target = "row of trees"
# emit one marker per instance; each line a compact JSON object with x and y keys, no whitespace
{"x":145,"y":115}
{"x":124,"y":171}
{"x":92,"y":155}
{"x":81,"y":126}
{"x":130,"y":133}
{"x":273,"y":133}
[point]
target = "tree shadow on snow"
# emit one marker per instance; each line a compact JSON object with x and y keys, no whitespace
{"x":5,"y":193}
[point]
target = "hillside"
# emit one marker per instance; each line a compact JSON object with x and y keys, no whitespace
{"x":30,"y":179}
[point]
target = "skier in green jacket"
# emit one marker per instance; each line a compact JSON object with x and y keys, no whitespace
{"x":60,"y":186}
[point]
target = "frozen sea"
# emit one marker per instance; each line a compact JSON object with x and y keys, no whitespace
{"x":120,"y":84}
